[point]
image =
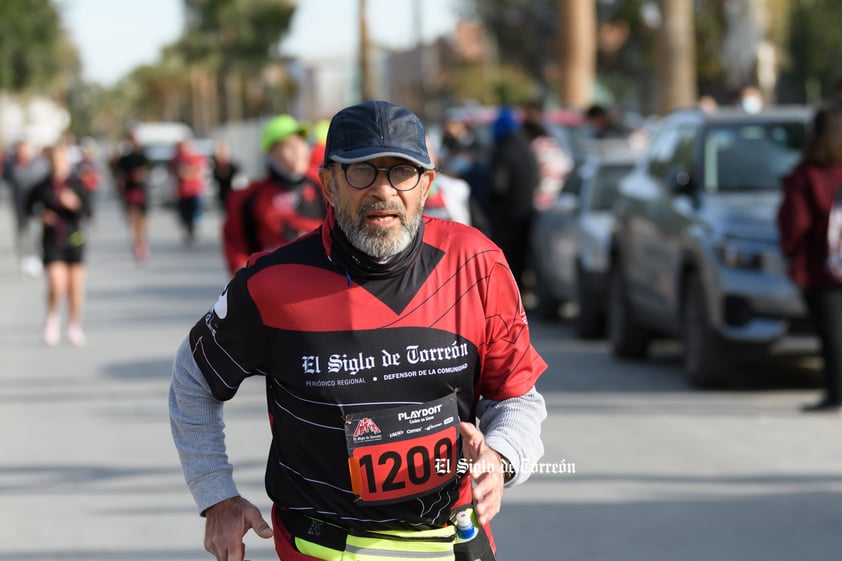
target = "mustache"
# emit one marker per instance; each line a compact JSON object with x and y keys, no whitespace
{"x":382,"y":206}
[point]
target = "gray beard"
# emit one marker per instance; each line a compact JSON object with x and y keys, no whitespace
{"x":376,"y":243}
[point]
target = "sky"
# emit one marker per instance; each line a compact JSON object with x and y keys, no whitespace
{"x":114,"y":36}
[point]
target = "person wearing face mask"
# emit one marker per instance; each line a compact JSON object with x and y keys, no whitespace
{"x":278,"y":207}
{"x":449,"y":197}
{"x":400,"y":376}
{"x":751,"y":99}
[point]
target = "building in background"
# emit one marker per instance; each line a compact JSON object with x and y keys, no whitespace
{"x":37,"y":119}
{"x":420,"y":78}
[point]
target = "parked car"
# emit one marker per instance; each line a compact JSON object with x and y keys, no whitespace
{"x":570,"y":241}
{"x":695,"y":252}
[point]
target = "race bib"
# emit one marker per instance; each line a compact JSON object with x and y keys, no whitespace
{"x":403,"y":452}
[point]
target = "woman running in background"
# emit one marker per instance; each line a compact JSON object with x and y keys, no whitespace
{"x":63,"y":204}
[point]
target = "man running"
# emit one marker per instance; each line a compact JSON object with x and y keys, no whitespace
{"x":131,"y":180}
{"x":399,"y":371}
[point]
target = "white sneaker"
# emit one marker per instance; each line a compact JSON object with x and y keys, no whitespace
{"x":52,"y":331}
{"x":31,"y":266}
{"x":76,"y":336}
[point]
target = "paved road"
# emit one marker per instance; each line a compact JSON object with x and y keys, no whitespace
{"x":88,"y":471}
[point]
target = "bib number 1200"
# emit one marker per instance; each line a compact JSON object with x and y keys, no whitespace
{"x":392,"y":471}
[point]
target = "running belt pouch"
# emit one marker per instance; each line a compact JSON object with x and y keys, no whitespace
{"x":476,"y":549}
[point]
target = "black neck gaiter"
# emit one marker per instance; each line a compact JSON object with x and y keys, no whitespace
{"x":363,"y":267}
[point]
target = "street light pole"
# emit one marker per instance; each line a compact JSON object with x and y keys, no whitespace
{"x":578,"y":51}
{"x":365,"y":77}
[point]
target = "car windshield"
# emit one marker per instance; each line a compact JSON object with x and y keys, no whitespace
{"x":159,"y":153}
{"x":605,"y":188}
{"x":751,"y":157}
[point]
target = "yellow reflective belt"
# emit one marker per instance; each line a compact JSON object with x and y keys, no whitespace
{"x":318,"y":551}
{"x":410,"y":545}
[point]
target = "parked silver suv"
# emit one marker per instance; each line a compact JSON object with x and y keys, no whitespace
{"x":695,"y":250}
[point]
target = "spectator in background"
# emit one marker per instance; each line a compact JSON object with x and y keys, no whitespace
{"x":457,"y":136}
{"x":449,"y":196}
{"x":280,"y":206}
{"x":190,"y":169}
{"x":224,"y":172}
{"x":468,"y":166}
{"x":553,"y":162}
{"x":751,"y":99}
{"x":514,"y":177}
{"x":22,"y":170}
{"x":62,"y":203}
{"x":707,"y":103}
{"x":803,"y":223}
{"x":602,"y":124}
{"x":459,"y":156}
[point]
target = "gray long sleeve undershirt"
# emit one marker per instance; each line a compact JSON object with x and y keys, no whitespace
{"x":512,"y":427}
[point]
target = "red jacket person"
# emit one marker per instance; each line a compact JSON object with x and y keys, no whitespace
{"x":398,"y":366}
{"x":280,"y":206}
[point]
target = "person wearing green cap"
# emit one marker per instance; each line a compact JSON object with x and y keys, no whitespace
{"x":280,"y":206}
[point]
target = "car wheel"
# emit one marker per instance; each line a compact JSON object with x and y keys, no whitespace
{"x":704,"y":364}
{"x":628,"y":338}
{"x":590,"y":321}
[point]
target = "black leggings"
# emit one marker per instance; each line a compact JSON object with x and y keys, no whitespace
{"x":512,"y":236}
{"x":188,"y":212}
{"x":825,"y":308}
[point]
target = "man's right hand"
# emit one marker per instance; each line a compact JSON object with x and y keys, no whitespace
{"x":227,"y":522}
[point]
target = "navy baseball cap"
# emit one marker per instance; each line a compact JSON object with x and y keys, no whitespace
{"x":375,"y":129}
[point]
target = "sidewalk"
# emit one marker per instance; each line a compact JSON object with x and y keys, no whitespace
{"x":88,"y":470}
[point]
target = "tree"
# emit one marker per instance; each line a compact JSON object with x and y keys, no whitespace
{"x":95,"y":110}
{"x":754,"y":38}
{"x":814,"y":46}
{"x":31,"y":37}
{"x":577,"y":53}
{"x":158,"y":92}
{"x":525,"y":33}
{"x":232,"y":40}
{"x":676,"y":55}
{"x":36,"y":56}
{"x":730,"y":44}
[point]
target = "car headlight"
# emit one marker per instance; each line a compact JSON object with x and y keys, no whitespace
{"x":741,"y":254}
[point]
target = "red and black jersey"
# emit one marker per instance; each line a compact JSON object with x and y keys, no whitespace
{"x":131,"y":176}
{"x":269,"y":212}
{"x":131,"y":169}
{"x":45,"y":196}
{"x":87,"y":172}
{"x":341,"y":339}
{"x":190,"y":171}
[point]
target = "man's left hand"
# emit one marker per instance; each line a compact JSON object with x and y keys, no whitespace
{"x":486,"y":469}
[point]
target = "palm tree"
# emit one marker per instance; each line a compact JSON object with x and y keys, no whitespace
{"x":676,"y":55}
{"x":577,"y":20}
